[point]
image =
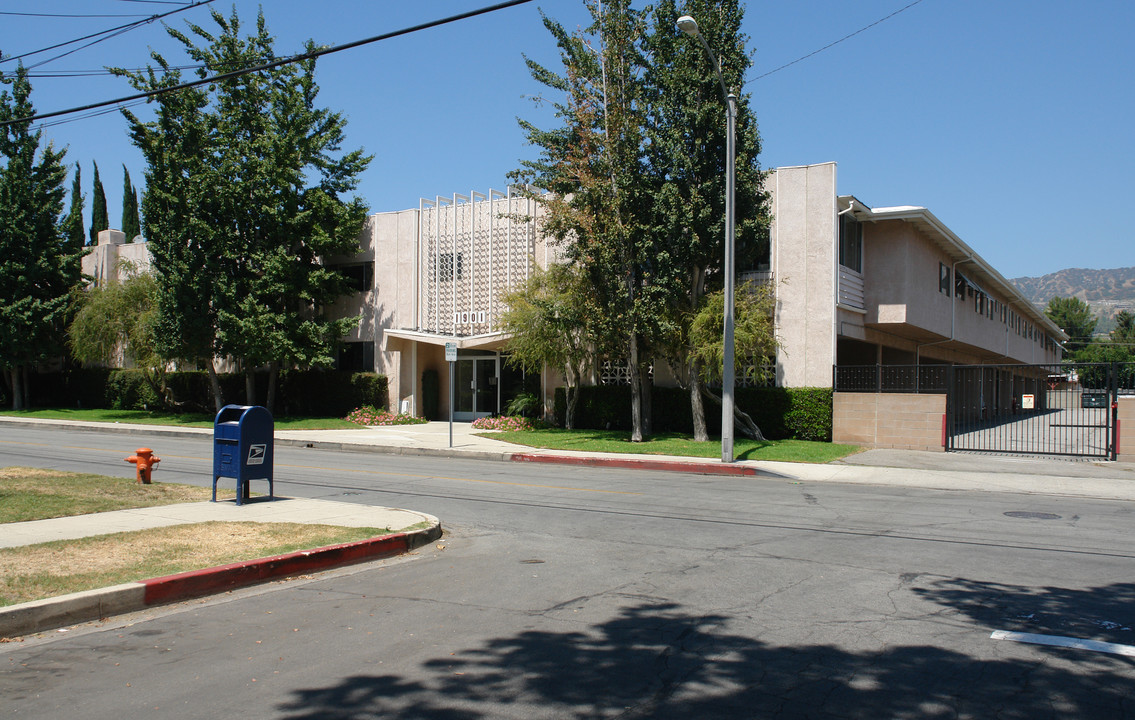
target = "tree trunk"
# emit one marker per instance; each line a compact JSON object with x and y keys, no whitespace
{"x":636,"y":389}
{"x":572,"y":393}
{"x":25,"y":388}
{"x":697,"y":407}
{"x":215,"y":385}
{"x":273,"y":376}
{"x":17,"y":390}
{"x":742,"y":422}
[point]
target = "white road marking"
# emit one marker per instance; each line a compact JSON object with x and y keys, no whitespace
{"x":1058,"y":641}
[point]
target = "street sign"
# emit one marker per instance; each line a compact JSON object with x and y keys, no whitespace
{"x":451,"y":352}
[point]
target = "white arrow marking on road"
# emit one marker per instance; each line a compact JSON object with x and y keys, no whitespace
{"x":1058,"y":641}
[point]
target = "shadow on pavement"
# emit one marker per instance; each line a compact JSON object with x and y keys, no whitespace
{"x":655,"y":660}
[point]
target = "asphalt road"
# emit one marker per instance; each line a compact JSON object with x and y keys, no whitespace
{"x":584,"y":593}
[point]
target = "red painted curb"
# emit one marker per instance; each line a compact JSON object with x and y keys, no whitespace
{"x":700,"y":468}
{"x":196,"y":583}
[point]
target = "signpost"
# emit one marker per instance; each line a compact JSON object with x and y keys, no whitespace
{"x":451,"y":357}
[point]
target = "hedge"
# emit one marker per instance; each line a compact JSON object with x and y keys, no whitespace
{"x":780,"y":413}
{"x":299,"y":392}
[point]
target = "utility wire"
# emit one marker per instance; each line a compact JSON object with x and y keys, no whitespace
{"x":833,"y":44}
{"x":70,"y":15}
{"x":276,"y":63}
{"x":127,"y":26}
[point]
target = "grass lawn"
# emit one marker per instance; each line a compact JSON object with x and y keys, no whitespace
{"x":56,"y":568}
{"x":158,"y":417}
{"x":614,"y":441}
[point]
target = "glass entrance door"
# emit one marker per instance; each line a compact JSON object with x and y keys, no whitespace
{"x":477,"y":388}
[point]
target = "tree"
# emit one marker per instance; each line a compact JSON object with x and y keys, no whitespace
{"x":754,"y":337}
{"x":39,"y":265}
{"x":1075,"y":318}
{"x":686,"y":153}
{"x":1124,"y":331}
{"x":550,"y":324}
{"x":73,"y":224}
{"x":131,"y":223}
{"x":115,"y":323}
{"x":599,"y":205}
{"x":99,"y":219}
{"x":243,"y":192}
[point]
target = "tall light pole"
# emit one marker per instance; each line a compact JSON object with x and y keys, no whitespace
{"x":690,"y":26}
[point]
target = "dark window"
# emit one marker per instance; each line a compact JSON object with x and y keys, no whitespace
{"x":960,"y":285}
{"x":850,"y":243}
{"x":944,"y":278}
{"x":360,"y":277}
{"x":356,"y":357}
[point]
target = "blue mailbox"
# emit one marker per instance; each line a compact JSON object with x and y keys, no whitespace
{"x":242,"y":448}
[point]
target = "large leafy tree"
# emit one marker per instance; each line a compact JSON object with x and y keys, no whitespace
{"x":1075,"y":318}
{"x":39,"y":264}
{"x":99,"y":219}
{"x":255,"y":177}
{"x":599,"y":206}
{"x":686,"y":153}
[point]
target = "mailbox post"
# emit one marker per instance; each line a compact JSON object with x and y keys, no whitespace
{"x":242,"y":448}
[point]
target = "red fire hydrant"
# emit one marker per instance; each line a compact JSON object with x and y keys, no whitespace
{"x":145,"y":460}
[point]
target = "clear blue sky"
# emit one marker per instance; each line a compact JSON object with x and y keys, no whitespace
{"x":1011,"y":120}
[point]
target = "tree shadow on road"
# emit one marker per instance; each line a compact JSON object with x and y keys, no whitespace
{"x":655,"y":660}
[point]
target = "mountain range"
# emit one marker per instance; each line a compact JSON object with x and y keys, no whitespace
{"x":1106,"y":291}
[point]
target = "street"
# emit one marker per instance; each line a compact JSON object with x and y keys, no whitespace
{"x":565,"y":592}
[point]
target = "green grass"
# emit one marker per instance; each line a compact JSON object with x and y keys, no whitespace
{"x":33,"y":494}
{"x":612,"y":441}
{"x":158,"y":417}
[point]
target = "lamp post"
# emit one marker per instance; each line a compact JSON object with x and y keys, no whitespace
{"x":690,"y":26}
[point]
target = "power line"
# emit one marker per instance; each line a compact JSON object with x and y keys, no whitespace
{"x":274,"y":64}
{"x":72,"y":15}
{"x":837,"y":42}
{"x":127,"y":26}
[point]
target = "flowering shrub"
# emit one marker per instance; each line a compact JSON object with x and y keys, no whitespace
{"x":370,"y":415}
{"x":507,"y":423}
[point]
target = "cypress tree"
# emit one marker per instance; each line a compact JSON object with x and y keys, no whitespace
{"x":99,"y":219}
{"x":131,"y":224}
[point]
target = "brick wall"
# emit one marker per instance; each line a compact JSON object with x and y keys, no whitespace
{"x":1126,"y":429}
{"x":890,"y":420}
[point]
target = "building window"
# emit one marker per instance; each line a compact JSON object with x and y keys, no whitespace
{"x":359,"y":276}
{"x":850,"y":243}
{"x":944,"y":278}
{"x":356,"y":357}
{"x":446,"y":266}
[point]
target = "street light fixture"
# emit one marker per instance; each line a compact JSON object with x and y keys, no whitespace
{"x":690,"y":26}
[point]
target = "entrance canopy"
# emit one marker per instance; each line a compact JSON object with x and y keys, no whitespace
{"x":487,"y":341}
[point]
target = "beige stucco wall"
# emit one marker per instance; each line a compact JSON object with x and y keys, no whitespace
{"x":105,"y":261}
{"x":901,"y":271}
{"x":803,"y":201}
{"x":1127,"y":429}
{"x":904,"y":421}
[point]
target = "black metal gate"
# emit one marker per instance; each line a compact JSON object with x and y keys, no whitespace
{"x":1066,"y":409}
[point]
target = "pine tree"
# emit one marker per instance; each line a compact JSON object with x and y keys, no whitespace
{"x":243,"y":198}
{"x":131,"y":223}
{"x":38,"y":267}
{"x":99,"y":219}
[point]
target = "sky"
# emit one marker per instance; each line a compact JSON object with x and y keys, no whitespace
{"x":1010,"y":120}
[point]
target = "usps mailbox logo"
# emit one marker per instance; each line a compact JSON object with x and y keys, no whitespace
{"x":256,"y":454}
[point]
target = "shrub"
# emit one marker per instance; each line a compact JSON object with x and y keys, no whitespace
{"x":505,"y":422}
{"x":130,"y":390}
{"x":525,"y":404}
{"x":370,"y":415}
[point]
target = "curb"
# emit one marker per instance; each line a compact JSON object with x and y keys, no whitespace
{"x":700,"y":468}
{"x":52,"y":613}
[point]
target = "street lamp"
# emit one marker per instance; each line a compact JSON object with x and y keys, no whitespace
{"x":690,"y":26}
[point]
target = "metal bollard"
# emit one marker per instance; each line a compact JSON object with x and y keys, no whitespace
{"x":143,"y":458}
